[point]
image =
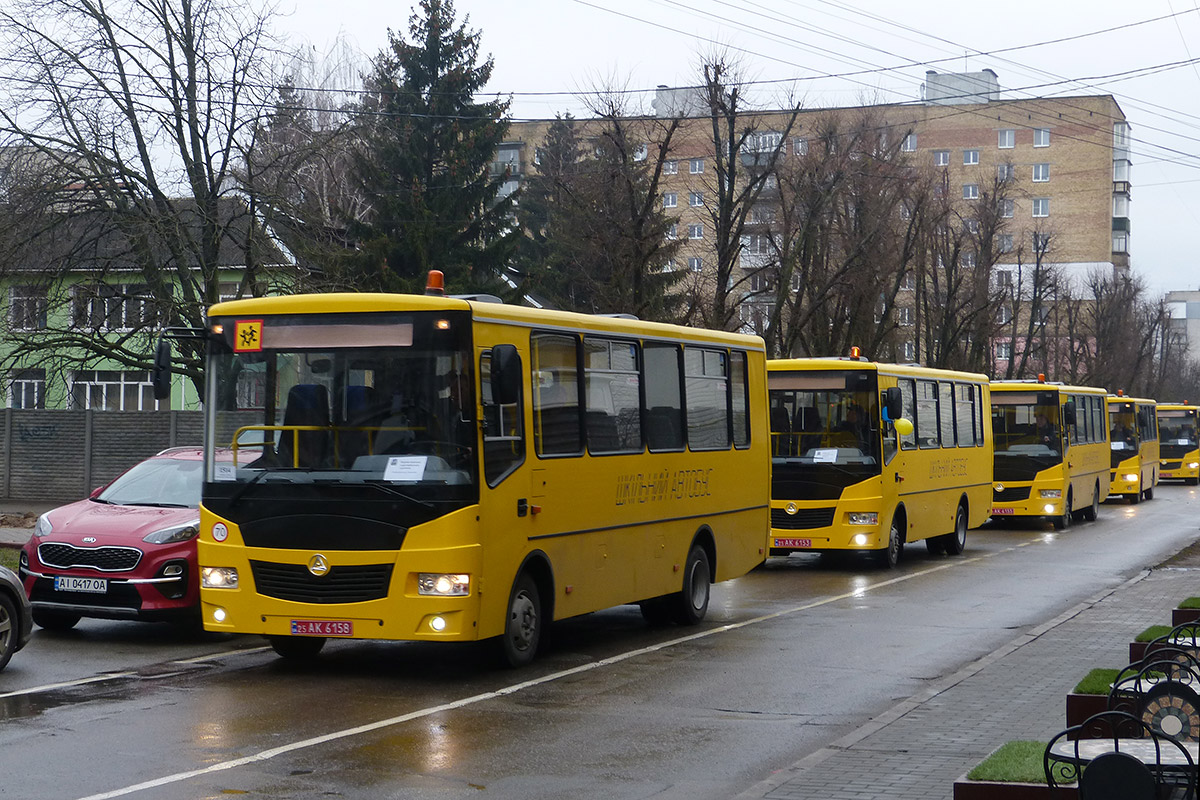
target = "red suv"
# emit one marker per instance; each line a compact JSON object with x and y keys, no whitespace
{"x":126,"y":552}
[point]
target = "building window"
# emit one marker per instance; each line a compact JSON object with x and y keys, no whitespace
{"x":1041,"y":242}
{"x":27,"y":308}
{"x":971,"y":225}
{"x":670,"y":167}
{"x":800,"y":146}
{"x":908,"y":282}
{"x":1003,"y":277}
{"x":1005,"y":172}
{"x":970,"y":191}
{"x":762,"y":142}
{"x":669,"y":266}
{"x":27,"y":388}
{"x":1041,"y":206}
{"x":671,"y":231}
{"x":112,"y":390}
{"x":941,"y":158}
{"x":968,"y":258}
{"x":1005,"y":243}
{"x":695,"y":264}
{"x":695,"y":231}
{"x":1003,"y":351}
{"x":1004,"y":315}
{"x":1041,"y":173}
{"x":756,"y":244}
{"x":112,"y":307}
{"x":670,"y":200}
{"x":1120,"y":242}
{"x":970,"y":157}
{"x":760,"y":215}
{"x":905,"y":315}
{"x":1006,"y":139}
{"x":1006,"y":208}
{"x":696,"y":166}
{"x":1041,"y":137}
{"x":695,"y":199}
{"x":1121,"y":170}
{"x":1120,"y":205}
{"x":909,"y":352}
{"x":909,"y":145}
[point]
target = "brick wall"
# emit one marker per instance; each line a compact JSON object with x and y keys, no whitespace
{"x":63,"y":455}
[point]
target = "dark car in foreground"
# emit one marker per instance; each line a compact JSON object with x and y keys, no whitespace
{"x":16,"y":622}
{"x":126,"y":552}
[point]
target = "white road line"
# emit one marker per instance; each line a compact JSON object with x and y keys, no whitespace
{"x":346,"y":733}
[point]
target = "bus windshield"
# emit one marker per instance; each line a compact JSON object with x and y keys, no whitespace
{"x":1027,"y":433}
{"x":1177,"y":432}
{"x":382,"y":400}
{"x":824,"y":431}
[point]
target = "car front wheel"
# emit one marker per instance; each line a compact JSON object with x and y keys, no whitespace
{"x":10,"y":629}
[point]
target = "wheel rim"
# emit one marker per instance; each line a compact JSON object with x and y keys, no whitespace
{"x":522,"y":622}
{"x":698,"y":576}
{"x":960,"y":528}
{"x":894,"y":544}
{"x":6,"y":628}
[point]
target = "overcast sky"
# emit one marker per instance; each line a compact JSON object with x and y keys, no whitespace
{"x":548,"y":51}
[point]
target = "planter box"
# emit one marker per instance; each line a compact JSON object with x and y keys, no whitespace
{"x":996,"y":790}
{"x":1179,"y":616}
{"x":1082,"y":706}
{"x":1137,"y":650}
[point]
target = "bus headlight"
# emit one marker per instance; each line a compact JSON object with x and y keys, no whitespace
{"x":1131,"y":477}
{"x":441,"y":585}
{"x":1050,"y":492}
{"x":863,"y":517}
{"x":860,"y":539}
{"x":1193,"y":464}
{"x":219,"y":577}
{"x":1049,"y":508}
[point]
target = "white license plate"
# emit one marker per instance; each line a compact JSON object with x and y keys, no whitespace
{"x":1001,"y":511}
{"x":806,"y":543}
{"x":322,"y":627}
{"x":67,"y":583}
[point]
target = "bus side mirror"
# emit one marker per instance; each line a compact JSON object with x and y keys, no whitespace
{"x":894,"y":402}
{"x":160,"y":376}
{"x":506,"y":374}
{"x":1069,"y":412}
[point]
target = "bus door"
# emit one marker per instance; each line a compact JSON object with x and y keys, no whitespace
{"x":902,"y":484}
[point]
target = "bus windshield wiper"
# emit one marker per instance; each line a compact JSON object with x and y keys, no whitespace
{"x":389,"y":489}
{"x":245,"y":487}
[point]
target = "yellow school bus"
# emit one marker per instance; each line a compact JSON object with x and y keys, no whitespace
{"x":1052,"y":451}
{"x":1179,"y":449}
{"x":870,"y":457}
{"x":1133,"y":436}
{"x":444,"y":469}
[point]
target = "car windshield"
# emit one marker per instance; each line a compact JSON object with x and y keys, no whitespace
{"x":171,"y":482}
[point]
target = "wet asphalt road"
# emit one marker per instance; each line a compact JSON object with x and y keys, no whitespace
{"x":791,"y":657}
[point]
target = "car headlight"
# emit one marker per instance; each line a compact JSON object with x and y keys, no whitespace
{"x":175,"y":533}
{"x":43,"y":526}
{"x":219,"y":577}
{"x":443,"y":585}
{"x":1050,"y":492}
{"x":863,"y":517}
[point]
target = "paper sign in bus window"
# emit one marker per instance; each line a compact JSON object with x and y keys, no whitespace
{"x":405,"y":468}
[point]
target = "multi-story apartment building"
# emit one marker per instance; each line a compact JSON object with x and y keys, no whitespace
{"x":1065,"y":163}
{"x":1184,"y":308}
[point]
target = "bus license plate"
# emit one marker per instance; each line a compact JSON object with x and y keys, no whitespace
{"x":322,"y":627}
{"x":1001,"y":511}
{"x":1166,"y":475}
{"x":793,"y":543}
{"x":66,"y":583}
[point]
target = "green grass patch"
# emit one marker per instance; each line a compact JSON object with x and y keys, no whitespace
{"x":1191,"y":602}
{"x":1098,"y":681}
{"x":1018,"y":761}
{"x":1152,"y":633}
{"x":8,"y":557}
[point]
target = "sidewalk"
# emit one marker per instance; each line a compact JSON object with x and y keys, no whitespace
{"x":921,"y":746}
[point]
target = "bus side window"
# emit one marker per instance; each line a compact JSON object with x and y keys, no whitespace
{"x":557,"y":428}
{"x":739,"y":388}
{"x":707,"y":393}
{"x":503,"y":433}
{"x":927,"y":415}
{"x":663,"y":379}
{"x":964,"y":414}
{"x":907,"y":389}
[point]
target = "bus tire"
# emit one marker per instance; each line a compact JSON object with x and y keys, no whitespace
{"x":1093,"y":511}
{"x":1063,"y":521}
{"x":889,"y":556}
{"x":956,"y":541}
{"x":523,"y":624}
{"x":297,"y":648}
{"x":1135,"y":498}
{"x":1193,"y":481}
{"x":1149,"y":493}
{"x":691,"y":604}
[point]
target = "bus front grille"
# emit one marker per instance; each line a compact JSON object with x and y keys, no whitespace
{"x":1172,"y":464}
{"x":1011,"y":494}
{"x":804,"y":519}
{"x":344,"y":584}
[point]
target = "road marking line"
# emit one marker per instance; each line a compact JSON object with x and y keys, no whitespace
{"x":266,"y":755}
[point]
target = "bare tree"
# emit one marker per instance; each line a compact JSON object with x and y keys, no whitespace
{"x":141,"y":113}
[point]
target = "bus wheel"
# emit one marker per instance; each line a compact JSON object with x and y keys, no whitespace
{"x":1064,"y":521}
{"x":1093,"y":511}
{"x":889,"y":557}
{"x":1135,"y":498}
{"x":299,"y":648}
{"x":691,"y":604}
{"x":523,"y":628}
{"x":1149,"y":493}
{"x":954,"y":543}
